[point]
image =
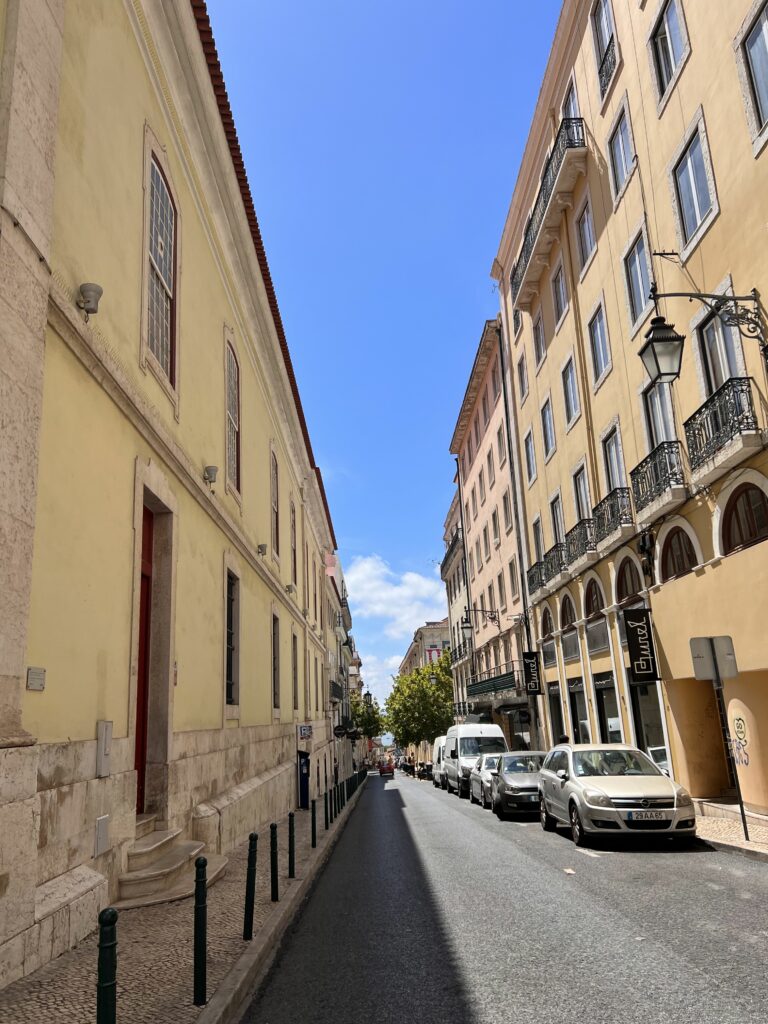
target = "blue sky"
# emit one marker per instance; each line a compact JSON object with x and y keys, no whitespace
{"x":382,"y":139}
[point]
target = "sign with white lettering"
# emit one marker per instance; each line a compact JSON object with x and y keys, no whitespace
{"x":531,"y":671}
{"x":642,"y":656}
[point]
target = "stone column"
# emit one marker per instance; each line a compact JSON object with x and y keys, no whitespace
{"x":29,"y":101}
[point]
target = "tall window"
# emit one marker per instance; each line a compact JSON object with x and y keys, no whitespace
{"x":586,"y":230}
{"x":473,"y":496}
{"x":581,"y":494}
{"x":481,"y":485}
{"x":530,"y":457}
{"x":502,"y":591}
{"x":718,"y":350}
{"x":501,"y":445}
{"x":638,"y":283}
{"x":275,"y":498}
{"x":598,"y":340}
{"x":491,"y":598}
{"x":570,"y":392}
{"x":677,"y":555}
{"x":275,"y":661}
{"x":603,"y":23}
{"x":317,"y":688}
{"x":614,"y":466}
{"x":756,"y":49}
{"x":559,"y":294}
{"x":232,"y":639}
{"x":667,"y":45}
{"x":294,"y":554}
{"x":628,"y":584}
{"x":162,"y":273}
{"x":477,"y":431}
{"x":486,"y":414}
{"x":495,"y":385}
{"x":567,"y":613}
{"x":621,"y":153}
{"x":314,"y":588}
{"x":593,"y":600}
{"x":539,"y":344}
{"x":522,"y":376}
{"x":491,"y":468}
{"x":471,"y":566}
{"x":233,"y":419}
{"x":548,"y":427}
{"x":746,"y":518}
{"x":570,"y":103}
{"x":486,"y":543}
{"x":658,"y":414}
{"x":694,"y":200}
{"x":295,"y":670}
{"x":495,"y":527}
{"x":556,"y":512}
{"x":506,"y":504}
{"x":538,"y":539}
{"x":478,"y":555}
{"x":513,"y":582}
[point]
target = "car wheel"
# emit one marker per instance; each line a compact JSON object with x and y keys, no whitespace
{"x":486,"y":803}
{"x":548,"y":823}
{"x":471,"y":795}
{"x":577,"y":828}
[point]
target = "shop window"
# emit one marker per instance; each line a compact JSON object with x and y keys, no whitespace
{"x":746,"y":518}
{"x":628,"y":583}
{"x":677,"y":555}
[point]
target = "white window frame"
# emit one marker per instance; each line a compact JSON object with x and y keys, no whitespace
{"x":514,"y":583}
{"x":530,"y":476}
{"x":617,"y":191}
{"x":506,"y":505}
{"x":758,"y":132}
{"x":481,"y":485}
{"x":557,"y":497}
{"x":522,"y":362}
{"x":559,"y":274}
{"x":495,"y":527}
{"x":636,"y":322}
{"x":539,"y":555}
{"x":585,"y":261}
{"x":539,"y":321}
{"x":614,"y":425}
{"x":581,"y":468}
{"x":501,"y":445}
{"x":598,"y":380}
{"x":687,"y":247}
{"x":570,"y":421}
{"x":489,"y":464}
{"x":547,"y":403}
{"x":663,"y":93}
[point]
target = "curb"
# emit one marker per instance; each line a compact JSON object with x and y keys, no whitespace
{"x":740,"y":851}
{"x":230,"y":1000}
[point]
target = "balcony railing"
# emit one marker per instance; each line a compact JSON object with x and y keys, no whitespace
{"x":548,"y":655}
{"x":554,"y":563}
{"x":580,"y":540}
{"x":613,"y":512}
{"x":337,"y":691}
{"x":724,"y":415}
{"x":597,"y":635}
{"x":607,"y":66}
{"x":346,"y":615}
{"x":570,"y":645}
{"x":505,"y":676}
{"x":459,"y":652}
{"x":449,"y":552}
{"x":570,"y":136}
{"x":534,"y":577}
{"x":657,"y":473}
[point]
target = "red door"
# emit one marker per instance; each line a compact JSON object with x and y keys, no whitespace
{"x":142,"y":687}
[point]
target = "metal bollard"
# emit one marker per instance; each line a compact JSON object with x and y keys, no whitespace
{"x":333,"y":803}
{"x":250,"y":887}
{"x":314,"y":823}
{"x":201,"y":929}
{"x":325,"y":809}
{"x":291,"y":845}
{"x":273,"y":862}
{"x":106,"y":978}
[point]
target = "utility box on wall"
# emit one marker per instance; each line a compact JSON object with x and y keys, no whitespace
{"x":103,"y":749}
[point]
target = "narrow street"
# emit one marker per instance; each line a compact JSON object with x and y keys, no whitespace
{"x":432,"y":910}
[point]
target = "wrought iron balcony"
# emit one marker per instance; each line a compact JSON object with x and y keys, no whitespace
{"x":534,"y":575}
{"x":570,"y":645}
{"x":455,"y":542}
{"x":607,"y":66}
{"x":554,"y":563}
{"x":580,"y":541}
{"x":613,"y":512}
{"x":337,"y":691}
{"x":570,"y":136}
{"x":346,"y":615}
{"x":506,"y":676}
{"x":548,"y":654}
{"x":459,"y":652}
{"x":657,"y":474}
{"x":597,"y":635}
{"x":726,"y":414}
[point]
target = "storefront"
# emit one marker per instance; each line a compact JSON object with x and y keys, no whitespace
{"x":577,"y":704}
{"x":608,"y":718}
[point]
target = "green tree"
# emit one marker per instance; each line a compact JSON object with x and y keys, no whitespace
{"x":418,"y":709}
{"x":367,"y":717}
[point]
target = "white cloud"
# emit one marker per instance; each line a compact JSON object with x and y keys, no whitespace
{"x":402,"y":602}
{"x":377,"y":674}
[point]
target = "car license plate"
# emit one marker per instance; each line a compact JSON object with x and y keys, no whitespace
{"x":530,"y":796}
{"x":645,"y":815}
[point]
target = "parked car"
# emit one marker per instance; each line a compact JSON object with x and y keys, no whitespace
{"x":480,"y":779}
{"x":387,"y":768}
{"x":463,"y":745}
{"x":515,"y":782}
{"x":611,"y":789}
{"x":438,"y":775}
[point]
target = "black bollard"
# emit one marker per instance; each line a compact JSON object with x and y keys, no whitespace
{"x":201,"y":929}
{"x":314,"y":823}
{"x":325,"y":809}
{"x":333,"y":804}
{"x":106,"y":979}
{"x":291,"y":845}
{"x":273,"y":862}
{"x":250,"y":887}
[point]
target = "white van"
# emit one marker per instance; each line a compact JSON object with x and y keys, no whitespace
{"x":463,"y":745}
{"x":438,"y":775}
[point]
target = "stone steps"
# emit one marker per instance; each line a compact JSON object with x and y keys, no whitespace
{"x":145,"y":823}
{"x":181,"y":889}
{"x":148,"y":848}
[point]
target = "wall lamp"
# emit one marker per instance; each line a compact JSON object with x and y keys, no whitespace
{"x":209,"y":475}
{"x":262,"y":549}
{"x":466,"y":622}
{"x":88,"y":298}
{"x":290,"y":589}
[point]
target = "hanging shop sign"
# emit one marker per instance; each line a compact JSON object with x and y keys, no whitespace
{"x":531,"y":672}
{"x":642,"y":656}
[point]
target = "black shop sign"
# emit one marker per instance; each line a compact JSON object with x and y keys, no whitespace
{"x":531,"y":672}
{"x":642,"y":655}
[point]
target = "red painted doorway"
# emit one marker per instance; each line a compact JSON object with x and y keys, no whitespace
{"x":142,"y":686}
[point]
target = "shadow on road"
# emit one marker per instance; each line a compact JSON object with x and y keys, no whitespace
{"x":370,"y":944}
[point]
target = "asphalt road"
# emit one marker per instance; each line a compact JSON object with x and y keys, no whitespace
{"x":432,"y":910}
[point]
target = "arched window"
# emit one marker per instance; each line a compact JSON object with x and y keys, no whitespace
{"x":628,"y":583}
{"x":547,"y":629}
{"x":594,"y":600}
{"x":567,"y":613}
{"x":677,"y":556}
{"x":746,"y":518}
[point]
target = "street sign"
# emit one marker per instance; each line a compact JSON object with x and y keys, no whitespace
{"x":713,"y":656}
{"x":531,"y":671}
{"x":642,"y":656}
{"x":339,"y":731}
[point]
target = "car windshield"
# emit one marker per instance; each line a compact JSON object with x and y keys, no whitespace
{"x":472,"y":746}
{"x":525,"y":763}
{"x":490,"y":762}
{"x":612,"y":762}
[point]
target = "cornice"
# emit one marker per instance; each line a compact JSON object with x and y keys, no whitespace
{"x":489,"y":340}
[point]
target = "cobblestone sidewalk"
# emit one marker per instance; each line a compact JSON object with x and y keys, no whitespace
{"x":730,"y":833}
{"x":154,"y":969}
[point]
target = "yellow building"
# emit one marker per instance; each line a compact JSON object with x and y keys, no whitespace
{"x":646,"y":162}
{"x":166,"y":541}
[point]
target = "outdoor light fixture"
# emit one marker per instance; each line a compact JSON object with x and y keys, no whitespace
{"x":368,"y":698}
{"x":662,"y":353}
{"x":262,"y":550}
{"x":290,"y":589}
{"x":88,"y":298}
{"x":432,"y":678}
{"x":466,"y":628}
{"x":209,"y":475}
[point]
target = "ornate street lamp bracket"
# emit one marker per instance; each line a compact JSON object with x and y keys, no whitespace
{"x":743,"y":312}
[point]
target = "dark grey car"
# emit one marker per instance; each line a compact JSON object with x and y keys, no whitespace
{"x":515,"y":783}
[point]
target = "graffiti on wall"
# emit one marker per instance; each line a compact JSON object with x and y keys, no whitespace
{"x":739,"y":742}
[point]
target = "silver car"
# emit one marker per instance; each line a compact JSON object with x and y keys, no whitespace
{"x":515,"y":782}
{"x":611,"y":789}
{"x":480,"y":779}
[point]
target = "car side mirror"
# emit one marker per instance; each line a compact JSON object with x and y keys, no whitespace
{"x":562,"y":774}
{"x":665,"y":771}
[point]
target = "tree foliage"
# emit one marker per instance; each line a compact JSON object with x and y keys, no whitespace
{"x":418,"y":709}
{"x":368,"y":719}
